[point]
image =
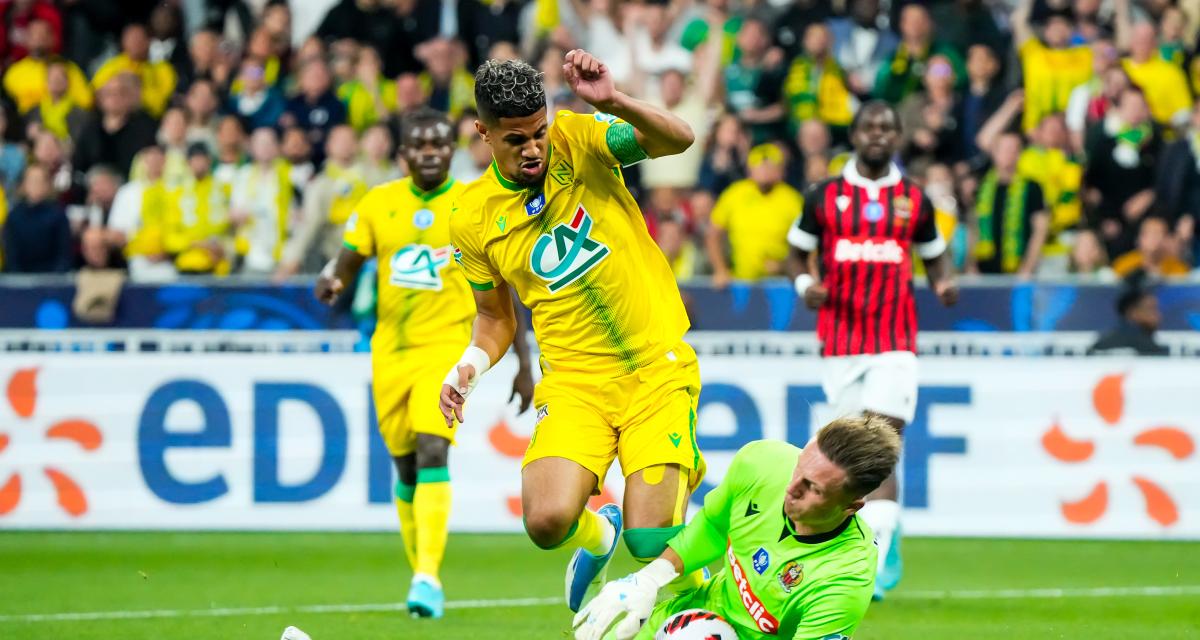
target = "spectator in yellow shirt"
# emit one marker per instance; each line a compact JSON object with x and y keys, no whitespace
{"x":1053,"y":69}
{"x":57,"y":111}
{"x":815,"y":86}
{"x":27,"y":80}
{"x":754,"y":215}
{"x":1164,"y":84}
{"x":158,"y":78}
{"x":450,"y":87}
{"x":370,"y":97}
{"x":196,"y":232}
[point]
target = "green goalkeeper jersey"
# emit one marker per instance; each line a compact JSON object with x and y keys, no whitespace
{"x":775,"y":583}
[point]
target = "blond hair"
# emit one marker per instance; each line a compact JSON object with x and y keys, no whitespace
{"x":865,"y":447}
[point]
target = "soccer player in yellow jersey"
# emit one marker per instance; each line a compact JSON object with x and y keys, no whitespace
{"x":552,"y":219}
{"x":425,"y":311}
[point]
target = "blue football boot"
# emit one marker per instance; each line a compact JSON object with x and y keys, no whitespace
{"x":426,"y":600}
{"x":585,"y":569}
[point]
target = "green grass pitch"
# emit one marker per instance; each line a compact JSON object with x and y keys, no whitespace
{"x":252,"y":585}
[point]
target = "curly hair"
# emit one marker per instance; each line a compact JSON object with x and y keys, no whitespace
{"x":509,"y":89}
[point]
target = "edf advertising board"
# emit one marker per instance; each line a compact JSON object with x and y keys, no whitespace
{"x":1000,"y":447}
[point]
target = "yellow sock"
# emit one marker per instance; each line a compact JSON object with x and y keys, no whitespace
{"x":431,"y":508}
{"x":591,"y":532}
{"x":408,"y":525}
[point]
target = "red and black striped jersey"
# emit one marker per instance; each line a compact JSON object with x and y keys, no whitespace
{"x":864,"y":231}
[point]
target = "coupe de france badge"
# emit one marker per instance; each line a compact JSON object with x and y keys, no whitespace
{"x":535,"y":206}
{"x":423,"y":219}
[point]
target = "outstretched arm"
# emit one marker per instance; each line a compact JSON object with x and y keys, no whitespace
{"x":1000,"y":121}
{"x":658,"y":131}
{"x":337,"y":274}
{"x":1020,"y":22}
{"x":495,"y":324}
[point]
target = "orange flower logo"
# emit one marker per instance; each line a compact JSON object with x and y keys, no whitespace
{"x":22,"y":397}
{"x":511,"y":445}
{"x":1108,"y":398}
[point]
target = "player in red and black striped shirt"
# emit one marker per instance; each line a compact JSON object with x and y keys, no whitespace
{"x":863,"y":227}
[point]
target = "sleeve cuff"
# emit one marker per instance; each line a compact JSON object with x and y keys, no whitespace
{"x":932,"y":249}
{"x":801,"y":239}
{"x":486,"y":286}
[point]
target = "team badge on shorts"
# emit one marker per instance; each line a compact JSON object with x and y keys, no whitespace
{"x":423,"y":219}
{"x":873,"y":211}
{"x":790,"y":575}
{"x":542,"y":412}
{"x":761,"y":560}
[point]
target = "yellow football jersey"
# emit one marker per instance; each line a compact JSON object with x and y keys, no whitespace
{"x":1050,"y":76}
{"x":577,"y":251}
{"x":423,"y":299}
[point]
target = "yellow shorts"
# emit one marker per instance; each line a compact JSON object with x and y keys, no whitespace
{"x":643,"y":419}
{"x":406,"y":388}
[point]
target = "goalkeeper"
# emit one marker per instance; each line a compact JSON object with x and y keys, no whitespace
{"x":798,"y":563}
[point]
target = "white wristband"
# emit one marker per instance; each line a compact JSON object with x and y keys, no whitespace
{"x":475,"y":357}
{"x":802,"y":283}
{"x":660,"y":572}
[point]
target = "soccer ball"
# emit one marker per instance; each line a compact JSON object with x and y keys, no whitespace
{"x":695,"y":624}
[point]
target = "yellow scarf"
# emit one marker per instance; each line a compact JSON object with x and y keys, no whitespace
{"x":818,"y":89}
{"x":54,"y":116}
{"x":200,"y":216}
{"x":157,"y":204}
{"x":283,"y":201}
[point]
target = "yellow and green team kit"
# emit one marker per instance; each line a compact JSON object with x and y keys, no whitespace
{"x":618,"y":380}
{"x":775,"y":583}
{"x":425,"y":310}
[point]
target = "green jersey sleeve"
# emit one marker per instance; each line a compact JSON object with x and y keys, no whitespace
{"x":703,"y":540}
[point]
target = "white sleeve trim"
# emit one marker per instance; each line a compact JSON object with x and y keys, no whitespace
{"x":932,"y":249}
{"x":801,"y":239}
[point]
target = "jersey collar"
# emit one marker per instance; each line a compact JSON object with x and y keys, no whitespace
{"x":513,"y":186}
{"x":817,"y":538}
{"x":873,"y":187}
{"x":430,"y":195}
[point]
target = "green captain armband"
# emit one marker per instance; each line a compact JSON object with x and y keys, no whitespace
{"x":623,"y":144}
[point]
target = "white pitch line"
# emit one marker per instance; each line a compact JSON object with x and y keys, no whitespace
{"x":1018,"y":594}
{"x":227,"y":612}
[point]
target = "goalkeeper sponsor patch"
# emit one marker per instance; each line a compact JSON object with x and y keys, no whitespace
{"x":763,"y":619}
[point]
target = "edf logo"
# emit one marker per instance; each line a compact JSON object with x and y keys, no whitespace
{"x":156,"y":438}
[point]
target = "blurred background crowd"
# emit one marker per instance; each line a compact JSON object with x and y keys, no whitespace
{"x":235,"y":136}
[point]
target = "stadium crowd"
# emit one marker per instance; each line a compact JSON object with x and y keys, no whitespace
{"x":206,"y":137}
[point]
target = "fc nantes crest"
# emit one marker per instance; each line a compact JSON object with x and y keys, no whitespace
{"x":563,"y":255}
